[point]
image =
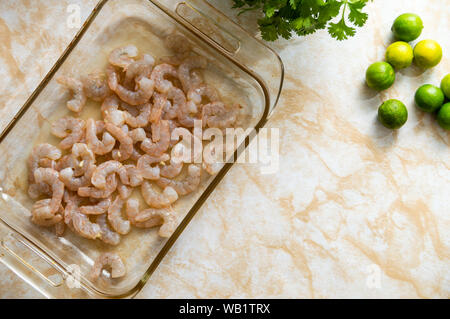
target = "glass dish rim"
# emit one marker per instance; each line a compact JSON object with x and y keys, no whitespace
{"x":268,"y":108}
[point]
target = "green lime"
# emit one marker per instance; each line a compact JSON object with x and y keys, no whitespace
{"x":443,"y":116}
{"x":445,"y":85}
{"x":429,"y":98}
{"x":380,"y":76}
{"x":392,"y":114}
{"x":427,"y":54}
{"x":407,"y":27}
{"x":399,"y":54}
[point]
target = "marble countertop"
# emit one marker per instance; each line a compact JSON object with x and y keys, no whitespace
{"x":355,"y":210}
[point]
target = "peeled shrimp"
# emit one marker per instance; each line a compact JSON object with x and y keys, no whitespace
{"x":145,"y":87}
{"x":124,"y":191}
{"x":115,"y":218}
{"x":95,"y":86}
{"x":84,"y":226}
{"x":70,"y":129}
{"x":158,"y":77}
{"x":196,"y":94}
{"x":111,"y":186}
{"x":186,"y":186}
{"x":126,"y":143}
{"x":137,"y":135}
{"x":107,"y":235}
{"x":100,"y":208}
{"x":82,"y":151}
{"x":134,"y":175}
{"x":123,"y":56}
{"x":184,"y":70}
{"x":144,"y":165}
{"x":189,"y":149}
{"x":116,"y":117}
{"x":139,"y":69}
{"x":42,"y":215}
{"x":111,"y":103}
{"x":98,"y":147}
{"x":73,"y":183}
{"x":98,"y":178}
{"x":217,"y":114}
{"x":162,"y":144}
{"x":176,"y":164}
{"x":78,"y":101}
{"x":159,"y":101}
{"x":142,"y":119}
{"x":51,"y":177}
{"x":39,"y":152}
{"x":108,"y":259}
{"x":178,"y":102}
{"x":145,"y":219}
{"x":156,"y":199}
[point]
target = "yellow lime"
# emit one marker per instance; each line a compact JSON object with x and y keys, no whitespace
{"x":380,"y":76}
{"x":407,"y":27}
{"x":399,"y":54}
{"x":427,"y":54}
{"x":445,"y":85}
{"x":392,"y":114}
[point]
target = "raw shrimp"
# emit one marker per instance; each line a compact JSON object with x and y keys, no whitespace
{"x":134,"y":214}
{"x":197,"y":94}
{"x":111,"y":186}
{"x":115,"y":218}
{"x":144,"y":165}
{"x":70,"y":129}
{"x":156,"y":199}
{"x":107,"y":235}
{"x":98,"y":147}
{"x":217,"y":114}
{"x":103,"y":170}
{"x":82,"y":151}
{"x":116,"y":117}
{"x":111,"y":103}
{"x":95,"y":86}
{"x":159,"y":147}
{"x":124,"y":191}
{"x":134,"y":175}
{"x":42,"y":215}
{"x":176,"y":164}
{"x":137,"y":135}
{"x":145,"y":87}
{"x":189,"y":149}
{"x":100,"y":208}
{"x":158,"y":77}
{"x":126,"y":143}
{"x":159,"y":102}
{"x":51,"y":177}
{"x":82,"y":225}
{"x":164,"y":217}
{"x":186,"y":186}
{"x":139,"y":69}
{"x":123,"y":56}
{"x":78,"y":101}
{"x":108,"y":259}
{"x":73,"y":183}
{"x":142,"y":119}
{"x":178,"y":102}
{"x":184,"y":70}
{"x":41,"y":151}
{"x":169,"y":112}
{"x":36,"y":190}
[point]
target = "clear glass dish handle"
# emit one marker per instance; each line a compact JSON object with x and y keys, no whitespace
{"x":236,"y":43}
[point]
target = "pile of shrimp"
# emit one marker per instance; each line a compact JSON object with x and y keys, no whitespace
{"x":86,"y":182}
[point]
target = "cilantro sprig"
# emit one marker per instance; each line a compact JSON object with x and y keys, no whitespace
{"x":283,"y":18}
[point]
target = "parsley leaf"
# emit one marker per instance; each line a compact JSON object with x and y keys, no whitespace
{"x":282,"y":18}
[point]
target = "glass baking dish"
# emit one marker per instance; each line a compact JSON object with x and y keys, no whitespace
{"x":241,"y":67}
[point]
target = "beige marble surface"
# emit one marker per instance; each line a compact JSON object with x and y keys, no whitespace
{"x":354,"y":211}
